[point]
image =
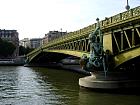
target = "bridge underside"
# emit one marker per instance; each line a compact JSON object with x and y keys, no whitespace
{"x":126,"y":60}
{"x":127,"y":56}
{"x":47,"y":57}
{"x":130,"y":65}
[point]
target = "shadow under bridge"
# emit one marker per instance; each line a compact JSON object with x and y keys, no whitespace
{"x":52,"y":57}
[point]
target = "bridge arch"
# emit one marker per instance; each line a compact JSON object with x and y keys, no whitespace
{"x":47,"y":56}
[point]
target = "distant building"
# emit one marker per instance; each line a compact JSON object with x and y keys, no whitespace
{"x":11,"y":36}
{"x":52,"y":35}
{"x":35,"y":42}
{"x":25,"y":42}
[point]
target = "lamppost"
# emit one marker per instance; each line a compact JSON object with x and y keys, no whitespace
{"x":127,"y":6}
{"x":61,"y":31}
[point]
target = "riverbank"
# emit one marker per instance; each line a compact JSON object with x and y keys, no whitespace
{"x":19,"y":61}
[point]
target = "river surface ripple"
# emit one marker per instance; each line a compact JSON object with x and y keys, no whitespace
{"x":42,"y":86}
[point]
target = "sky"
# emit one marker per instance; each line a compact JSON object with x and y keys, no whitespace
{"x":35,"y":18}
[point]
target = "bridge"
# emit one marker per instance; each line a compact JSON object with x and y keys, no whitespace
{"x":121,"y":37}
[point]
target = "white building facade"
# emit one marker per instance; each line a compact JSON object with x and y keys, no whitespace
{"x":25,"y":42}
{"x":35,"y":42}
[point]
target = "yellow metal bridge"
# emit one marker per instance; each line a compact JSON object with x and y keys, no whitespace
{"x":121,"y":36}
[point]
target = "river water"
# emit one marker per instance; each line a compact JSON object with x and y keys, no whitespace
{"x":42,"y":86}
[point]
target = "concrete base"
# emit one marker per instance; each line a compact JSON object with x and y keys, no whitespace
{"x":108,"y":83}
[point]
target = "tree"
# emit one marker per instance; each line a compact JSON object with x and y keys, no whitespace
{"x":6,"y":48}
{"x":29,"y":50}
{"x":24,"y":51}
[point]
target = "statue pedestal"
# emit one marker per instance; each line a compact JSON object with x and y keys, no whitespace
{"x":111,"y":81}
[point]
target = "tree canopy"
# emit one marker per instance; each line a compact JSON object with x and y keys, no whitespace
{"x":24,"y":51}
{"x":6,"y":48}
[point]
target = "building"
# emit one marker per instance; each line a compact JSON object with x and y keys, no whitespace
{"x":52,"y":35}
{"x":35,"y":42}
{"x":11,"y":36}
{"x":25,"y":42}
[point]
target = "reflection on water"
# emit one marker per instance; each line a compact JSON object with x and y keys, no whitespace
{"x":96,"y":98}
{"x":23,"y":86}
{"x":42,"y":86}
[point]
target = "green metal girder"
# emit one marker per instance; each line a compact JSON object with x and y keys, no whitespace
{"x":126,"y":55}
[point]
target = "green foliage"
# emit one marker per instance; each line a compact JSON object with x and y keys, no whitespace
{"x":24,"y":51}
{"x":6,"y":48}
